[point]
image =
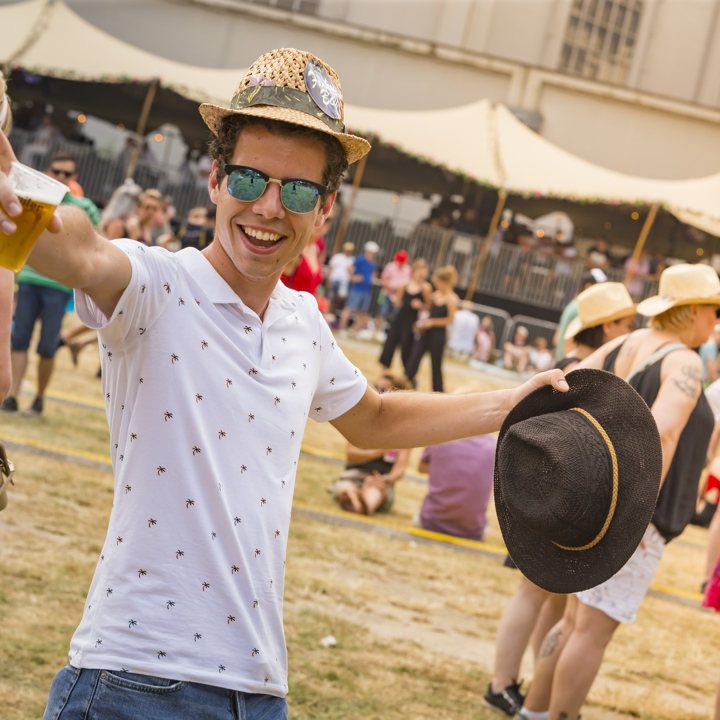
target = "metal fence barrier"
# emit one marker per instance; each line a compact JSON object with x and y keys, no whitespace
{"x":536,"y":328}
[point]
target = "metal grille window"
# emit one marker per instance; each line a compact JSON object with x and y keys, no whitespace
{"x":309,"y":7}
{"x":600,"y":38}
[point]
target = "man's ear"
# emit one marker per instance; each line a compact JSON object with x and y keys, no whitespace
{"x":213,"y":184}
{"x":325,"y":209}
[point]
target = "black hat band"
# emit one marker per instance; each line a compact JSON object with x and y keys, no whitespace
{"x":613,"y":502}
{"x":285,"y":98}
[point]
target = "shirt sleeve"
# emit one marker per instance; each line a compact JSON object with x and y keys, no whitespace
{"x":150,"y":290}
{"x":340,"y":385}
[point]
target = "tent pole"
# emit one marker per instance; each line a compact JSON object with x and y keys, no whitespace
{"x":649,"y":220}
{"x":351,"y":203}
{"x":502,"y":196}
{"x":144,"y":113}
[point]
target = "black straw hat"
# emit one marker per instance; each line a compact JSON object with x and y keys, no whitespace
{"x":577,"y":475}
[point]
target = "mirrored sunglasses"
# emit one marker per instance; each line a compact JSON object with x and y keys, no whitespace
{"x":60,"y":171}
{"x":298,"y":196}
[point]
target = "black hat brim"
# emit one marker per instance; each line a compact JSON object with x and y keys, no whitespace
{"x":627,"y":420}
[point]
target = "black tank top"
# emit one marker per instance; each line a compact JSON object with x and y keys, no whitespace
{"x":438,"y":311}
{"x":407,"y":298}
{"x":562,"y":364}
{"x":676,"y":502}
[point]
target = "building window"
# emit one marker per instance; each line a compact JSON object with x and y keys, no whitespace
{"x":600,"y":38}
{"x":309,"y":7}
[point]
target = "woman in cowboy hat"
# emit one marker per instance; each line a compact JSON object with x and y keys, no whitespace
{"x":605,"y":312}
{"x":659,"y":363}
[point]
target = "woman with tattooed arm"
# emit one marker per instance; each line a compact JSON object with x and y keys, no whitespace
{"x":659,"y":363}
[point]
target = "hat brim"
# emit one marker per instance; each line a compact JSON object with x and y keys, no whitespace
{"x":659,"y":304}
{"x":576,"y":325}
{"x":355,"y":147}
{"x":627,"y":420}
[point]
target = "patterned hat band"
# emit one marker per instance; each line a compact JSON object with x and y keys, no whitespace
{"x":286,"y":98}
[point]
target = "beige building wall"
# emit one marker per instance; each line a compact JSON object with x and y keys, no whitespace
{"x":663,"y":122}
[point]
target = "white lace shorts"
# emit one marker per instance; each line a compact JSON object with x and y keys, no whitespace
{"x":620,"y":597}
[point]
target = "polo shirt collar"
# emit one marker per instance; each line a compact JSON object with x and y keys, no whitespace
{"x":219,"y":292}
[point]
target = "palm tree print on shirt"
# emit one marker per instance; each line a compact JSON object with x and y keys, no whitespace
{"x":228,"y":382}
{"x":118,"y":540}
{"x":133,"y":436}
{"x":181,"y":302}
{"x":196,"y":450}
{"x":255,"y":652}
{"x":132,"y":623}
{"x":263,"y":502}
{"x":198,"y":397}
{"x":161,"y":470}
{"x":142,"y":573}
{"x":205,"y":586}
{"x":255,"y":604}
{"x":237,"y":520}
{"x":179,"y":554}
{"x":161,"y":654}
{"x":247,"y":329}
{"x":221,"y":434}
{"x":128,"y":488}
{"x":276,"y":400}
{"x":252,"y":371}
{"x":243,"y":469}
{"x":230,"y":619}
{"x":213,"y":534}
{"x":167,"y":415}
{"x":196,"y":637}
{"x":268,"y":450}
{"x":152,"y":522}
{"x":204,"y":345}
{"x":251,"y":417}
{"x":98,"y":642}
{"x":257,"y":553}
{"x":174,"y":358}
{"x":234,"y":569}
{"x":108,"y":592}
{"x":221,"y":668}
{"x":169,"y":604}
{"x":167,"y":288}
{"x":189,"y":503}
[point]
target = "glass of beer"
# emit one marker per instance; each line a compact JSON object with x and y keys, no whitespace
{"x":39,"y":195}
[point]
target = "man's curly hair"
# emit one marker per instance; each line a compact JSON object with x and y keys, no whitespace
{"x":222,"y":145}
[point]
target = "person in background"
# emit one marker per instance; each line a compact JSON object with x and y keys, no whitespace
{"x":462,"y":331}
{"x":433,"y":329}
{"x":539,"y":357}
{"x":139,"y":225}
{"x":412,"y":297}
{"x":7,"y":278}
{"x":517,"y":352}
{"x":360,"y":293}
{"x":460,"y":480}
{"x":709,"y":355}
{"x":637,"y":271}
{"x":570,"y":311}
{"x":307,"y":275}
{"x":394,"y":276}
{"x":605,"y":312}
{"x":339,"y":276}
{"x":485,"y":342}
{"x":40,"y":298}
{"x":120,"y":207}
{"x":192,"y":232}
{"x":368,"y":483}
{"x":598,"y":256}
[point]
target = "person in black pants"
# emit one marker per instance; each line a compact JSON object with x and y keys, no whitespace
{"x":433,"y":330}
{"x":411,"y":298}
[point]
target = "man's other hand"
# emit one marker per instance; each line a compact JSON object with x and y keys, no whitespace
{"x":556,"y":378}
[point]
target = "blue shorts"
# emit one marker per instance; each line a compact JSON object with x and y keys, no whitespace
{"x":39,"y":302}
{"x":358,"y":299}
{"x":115,"y":695}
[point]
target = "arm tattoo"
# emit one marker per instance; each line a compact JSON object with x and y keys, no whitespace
{"x":627,"y":347}
{"x":691,"y":382}
{"x":563,"y":716}
{"x":550,"y":643}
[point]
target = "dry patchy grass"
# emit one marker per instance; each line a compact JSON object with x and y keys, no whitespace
{"x":415,"y":623}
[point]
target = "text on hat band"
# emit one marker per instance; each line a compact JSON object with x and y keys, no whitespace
{"x":613,"y":502}
{"x":285,"y":98}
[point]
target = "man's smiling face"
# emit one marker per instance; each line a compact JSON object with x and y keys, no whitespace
{"x":258,"y":239}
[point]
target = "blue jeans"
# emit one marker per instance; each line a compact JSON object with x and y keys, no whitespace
{"x":104,"y":695}
{"x":46,"y":304}
{"x":358,"y":299}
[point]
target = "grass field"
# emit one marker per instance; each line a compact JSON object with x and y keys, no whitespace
{"x":415,"y":623}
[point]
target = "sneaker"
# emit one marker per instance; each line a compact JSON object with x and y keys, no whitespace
{"x":9,"y":405}
{"x":508,"y":701}
{"x":36,"y":409}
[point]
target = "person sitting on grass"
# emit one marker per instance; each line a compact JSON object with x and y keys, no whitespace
{"x":517,"y":352}
{"x":460,"y":480}
{"x":368,"y":483}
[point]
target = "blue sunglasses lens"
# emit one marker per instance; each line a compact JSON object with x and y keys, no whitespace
{"x":246,"y":185}
{"x":299,"y":197}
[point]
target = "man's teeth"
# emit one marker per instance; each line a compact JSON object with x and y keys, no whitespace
{"x":260,"y":235}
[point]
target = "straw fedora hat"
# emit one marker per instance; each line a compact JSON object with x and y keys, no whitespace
{"x":599,"y":304}
{"x":295,"y":87}
{"x":683,"y":285}
{"x":576,"y":480}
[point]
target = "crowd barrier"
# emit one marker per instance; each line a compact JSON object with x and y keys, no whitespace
{"x":509,"y":270}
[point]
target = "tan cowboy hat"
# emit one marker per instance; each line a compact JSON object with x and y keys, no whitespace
{"x":599,"y":304}
{"x":683,"y":285}
{"x":295,"y":87}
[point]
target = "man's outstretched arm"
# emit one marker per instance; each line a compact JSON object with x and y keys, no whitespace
{"x":70,"y":252}
{"x":407,"y":420}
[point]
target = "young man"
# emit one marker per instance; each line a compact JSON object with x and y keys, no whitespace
{"x":211,"y":368}
{"x":40,"y":297}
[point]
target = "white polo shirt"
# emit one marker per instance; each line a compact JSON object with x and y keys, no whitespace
{"x":206,"y":406}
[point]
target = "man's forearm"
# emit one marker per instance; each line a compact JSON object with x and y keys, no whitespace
{"x":67,"y":256}
{"x":409,"y":420}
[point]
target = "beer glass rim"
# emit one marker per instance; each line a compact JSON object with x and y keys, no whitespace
{"x":35,"y":185}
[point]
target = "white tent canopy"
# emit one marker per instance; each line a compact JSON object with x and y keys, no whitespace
{"x":484,"y":141}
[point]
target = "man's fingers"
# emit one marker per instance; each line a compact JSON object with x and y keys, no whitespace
{"x":11,"y":207}
{"x":556,"y":378}
{"x":56,"y":224}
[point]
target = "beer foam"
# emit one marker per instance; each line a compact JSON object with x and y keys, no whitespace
{"x":37,"y":195}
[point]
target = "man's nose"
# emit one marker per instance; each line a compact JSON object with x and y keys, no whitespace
{"x":269,"y":204}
